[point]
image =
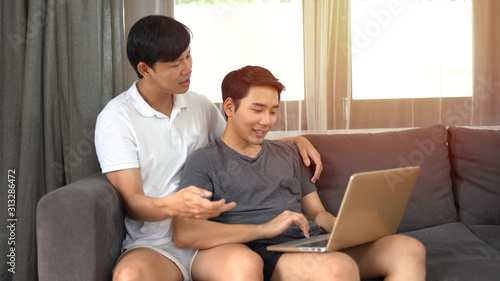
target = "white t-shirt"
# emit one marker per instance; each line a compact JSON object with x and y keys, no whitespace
{"x":131,"y":134}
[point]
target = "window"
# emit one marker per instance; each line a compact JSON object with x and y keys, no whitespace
{"x":411,"y":49}
{"x":370,"y":63}
{"x":228,"y":35}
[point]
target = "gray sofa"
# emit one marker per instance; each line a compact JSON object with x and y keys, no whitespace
{"x":454,"y":209}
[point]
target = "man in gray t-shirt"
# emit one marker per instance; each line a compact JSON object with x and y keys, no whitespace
{"x":263,"y":187}
{"x":275,"y":200}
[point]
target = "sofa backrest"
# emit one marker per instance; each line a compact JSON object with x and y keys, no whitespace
{"x":475,"y":167}
{"x":431,"y":202}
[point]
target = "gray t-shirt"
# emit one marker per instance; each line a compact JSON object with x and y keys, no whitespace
{"x":262,"y":187}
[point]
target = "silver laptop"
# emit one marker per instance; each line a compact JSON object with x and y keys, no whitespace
{"x":372,"y":207}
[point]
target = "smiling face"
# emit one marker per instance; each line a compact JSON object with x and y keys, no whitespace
{"x":249,"y":124}
{"x":172,"y":77}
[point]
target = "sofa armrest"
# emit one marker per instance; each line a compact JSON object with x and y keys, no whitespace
{"x":80,"y":229}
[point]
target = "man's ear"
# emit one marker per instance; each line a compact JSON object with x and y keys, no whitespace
{"x":229,"y":107}
{"x":144,"y":69}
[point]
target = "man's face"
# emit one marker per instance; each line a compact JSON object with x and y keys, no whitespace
{"x":173,"y":77}
{"x":256,"y":114}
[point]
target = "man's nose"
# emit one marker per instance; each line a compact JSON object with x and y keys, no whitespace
{"x":187,"y":67}
{"x":266,"y":119}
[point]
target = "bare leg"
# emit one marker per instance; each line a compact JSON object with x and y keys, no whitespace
{"x":232,"y":262}
{"x":146,"y":264}
{"x":397,"y":257}
{"x":315,"y":266}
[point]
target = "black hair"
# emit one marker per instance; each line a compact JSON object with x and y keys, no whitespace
{"x":237,"y":83}
{"x":156,"y":38}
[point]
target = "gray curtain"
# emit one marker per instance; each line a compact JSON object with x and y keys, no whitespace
{"x":60,"y":62}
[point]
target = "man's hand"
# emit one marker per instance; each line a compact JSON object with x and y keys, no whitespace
{"x":281,"y":223}
{"x":308,"y":153}
{"x":193,"y":202}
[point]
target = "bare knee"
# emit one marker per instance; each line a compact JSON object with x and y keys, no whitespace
{"x":129,"y":273}
{"x":410,"y":248}
{"x":141,"y":270}
{"x":145,"y":264}
{"x":244,"y":264}
{"x":418,"y":248}
{"x":417,"y":253}
{"x":341,"y":267}
{"x":411,"y":258}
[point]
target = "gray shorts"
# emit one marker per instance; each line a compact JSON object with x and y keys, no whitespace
{"x":183,"y":258}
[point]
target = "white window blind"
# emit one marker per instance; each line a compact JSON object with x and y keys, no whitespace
{"x":411,"y":48}
{"x":231,"y":34}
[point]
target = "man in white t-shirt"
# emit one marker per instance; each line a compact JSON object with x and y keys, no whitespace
{"x":143,"y":138}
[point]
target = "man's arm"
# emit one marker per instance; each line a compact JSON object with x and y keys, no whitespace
{"x":315,"y":211}
{"x":187,"y":202}
{"x":308,"y":153}
{"x":203,"y":234}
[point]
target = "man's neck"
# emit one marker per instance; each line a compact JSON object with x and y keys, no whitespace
{"x":161,"y":102}
{"x":240,"y":145}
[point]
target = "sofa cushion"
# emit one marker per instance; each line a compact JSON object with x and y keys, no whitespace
{"x":455,"y":253}
{"x":488,"y":233}
{"x":475,"y":158}
{"x":431,"y":202}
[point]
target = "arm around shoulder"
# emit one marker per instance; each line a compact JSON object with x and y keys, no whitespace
{"x":308,"y":153}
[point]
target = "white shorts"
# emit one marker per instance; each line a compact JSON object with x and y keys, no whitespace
{"x":183,"y":258}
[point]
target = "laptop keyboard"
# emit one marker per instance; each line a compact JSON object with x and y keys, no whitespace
{"x":321,"y":243}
